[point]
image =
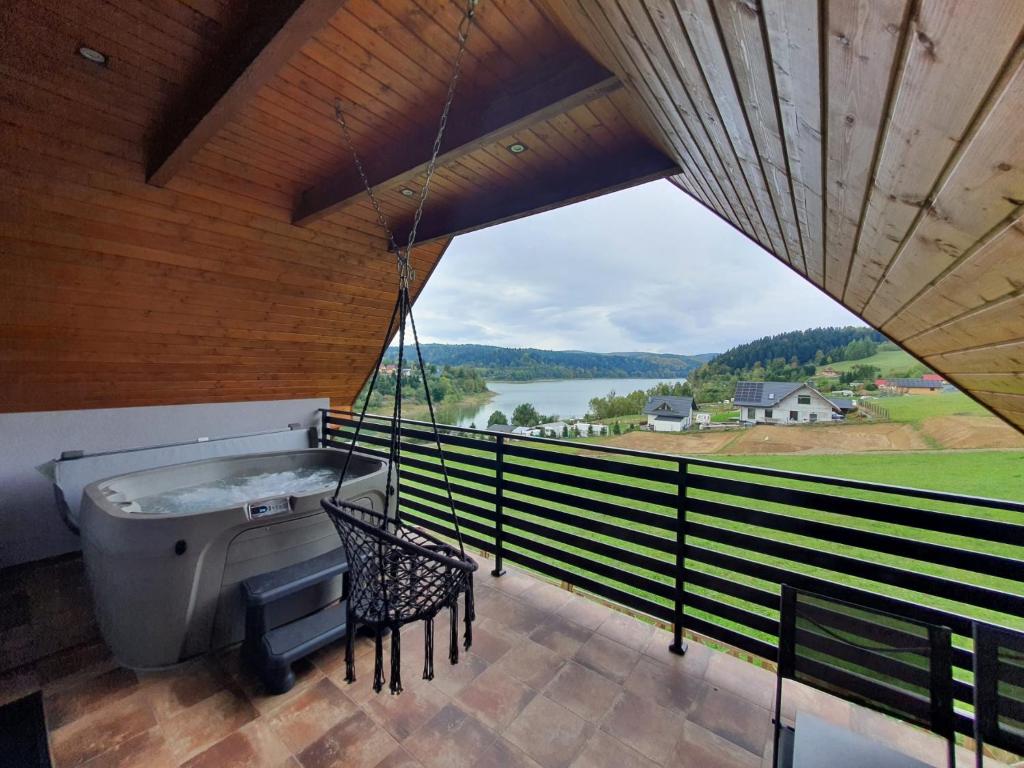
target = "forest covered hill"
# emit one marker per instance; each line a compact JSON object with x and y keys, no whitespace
{"x":524,"y":364}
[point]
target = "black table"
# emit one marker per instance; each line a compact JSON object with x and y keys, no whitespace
{"x":818,"y":744}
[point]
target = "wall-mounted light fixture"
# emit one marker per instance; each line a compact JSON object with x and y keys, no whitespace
{"x":91,"y":54}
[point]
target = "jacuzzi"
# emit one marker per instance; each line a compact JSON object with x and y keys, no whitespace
{"x":165,"y":549}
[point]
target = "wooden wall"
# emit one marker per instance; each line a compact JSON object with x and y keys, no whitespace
{"x":875,"y":146}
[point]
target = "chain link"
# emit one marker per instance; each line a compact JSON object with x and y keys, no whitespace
{"x":406,"y":274}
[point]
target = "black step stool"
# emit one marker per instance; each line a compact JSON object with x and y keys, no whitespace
{"x":272,"y":651}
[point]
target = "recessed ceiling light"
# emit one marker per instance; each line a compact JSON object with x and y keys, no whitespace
{"x":516,"y":149}
{"x":91,"y":54}
{"x":407,"y":192}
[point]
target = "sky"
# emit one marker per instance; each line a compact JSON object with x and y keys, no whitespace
{"x":646,"y":269}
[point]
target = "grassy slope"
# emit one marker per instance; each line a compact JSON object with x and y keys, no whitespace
{"x":886,"y":360}
{"x":913,"y":409}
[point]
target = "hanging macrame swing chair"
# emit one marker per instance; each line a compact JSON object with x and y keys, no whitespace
{"x":399,"y":574}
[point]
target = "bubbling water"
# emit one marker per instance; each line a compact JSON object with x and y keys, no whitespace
{"x":236,"y":491}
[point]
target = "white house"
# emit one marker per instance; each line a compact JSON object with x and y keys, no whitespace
{"x":669,"y":414}
{"x":782,"y":402}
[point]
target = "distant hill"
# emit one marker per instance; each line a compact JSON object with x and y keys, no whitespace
{"x":523,"y":364}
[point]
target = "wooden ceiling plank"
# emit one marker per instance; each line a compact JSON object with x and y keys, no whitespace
{"x":995,"y":323}
{"x":863,"y":43}
{"x":990,"y":274}
{"x":660,"y":104}
{"x":219,"y":93}
{"x":955,"y":51}
{"x":1006,"y":357}
{"x":630,"y":166}
{"x":690,"y":36}
{"x":793,"y":42}
{"x":472,"y":125}
{"x":742,"y":28}
{"x":638,"y":34}
{"x":983,"y":192}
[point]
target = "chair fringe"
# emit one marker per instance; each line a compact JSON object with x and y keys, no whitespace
{"x":470,"y":614}
{"x":396,"y":659}
{"x":453,"y":647}
{"x":378,"y":662}
{"x":428,"y":649}
{"x":350,"y":660}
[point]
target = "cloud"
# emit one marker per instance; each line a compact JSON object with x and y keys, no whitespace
{"x":644,"y":269}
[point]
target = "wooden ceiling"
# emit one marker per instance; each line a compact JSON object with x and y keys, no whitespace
{"x":185,"y":224}
{"x":875,"y":146}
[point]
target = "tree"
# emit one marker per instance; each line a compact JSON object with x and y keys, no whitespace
{"x":616,"y":428}
{"x":525,"y":415}
{"x":497,"y":418}
{"x":565,"y":432}
{"x":590,"y":430}
{"x":472,"y":425}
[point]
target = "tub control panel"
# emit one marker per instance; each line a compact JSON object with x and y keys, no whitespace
{"x":276,"y":505}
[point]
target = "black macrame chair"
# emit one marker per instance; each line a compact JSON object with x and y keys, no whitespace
{"x":398,"y":573}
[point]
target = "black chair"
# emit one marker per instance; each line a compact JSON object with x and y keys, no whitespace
{"x":885,"y":662}
{"x":998,"y":689}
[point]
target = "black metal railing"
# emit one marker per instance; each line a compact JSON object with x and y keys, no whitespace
{"x":704,"y":545}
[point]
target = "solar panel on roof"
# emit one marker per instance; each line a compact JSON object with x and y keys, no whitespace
{"x":749,"y":391}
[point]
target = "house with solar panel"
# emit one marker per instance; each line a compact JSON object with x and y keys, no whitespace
{"x":782,"y":402}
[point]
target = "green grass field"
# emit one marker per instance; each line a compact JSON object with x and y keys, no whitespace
{"x":887,"y":360}
{"x":913,"y":409}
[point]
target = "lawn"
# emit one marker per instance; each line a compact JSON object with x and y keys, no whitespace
{"x":913,"y":409}
{"x":998,"y":474}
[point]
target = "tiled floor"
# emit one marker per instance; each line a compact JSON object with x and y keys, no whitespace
{"x":553,"y":680}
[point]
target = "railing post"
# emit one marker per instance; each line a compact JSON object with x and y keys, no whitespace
{"x":499,"y":507}
{"x":323,"y":427}
{"x":678,"y":645}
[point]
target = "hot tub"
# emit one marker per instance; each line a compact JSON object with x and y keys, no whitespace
{"x":166,"y":548}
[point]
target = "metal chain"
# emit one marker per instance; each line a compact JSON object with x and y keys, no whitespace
{"x":406,"y":274}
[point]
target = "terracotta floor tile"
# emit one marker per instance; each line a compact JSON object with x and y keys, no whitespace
{"x":531,"y":663}
{"x":607,"y":657}
{"x":503,"y":754}
{"x":700,"y":748}
{"x":802,"y":698}
{"x":583,"y":691}
{"x":194,"y":729}
{"x":306,"y":674}
{"x":734,"y":718}
{"x":512,"y":583}
{"x":70,"y":665}
{"x":585,"y":612}
{"x":754,"y":683}
{"x":356,"y":742}
{"x":174,"y":690}
{"x":519,"y":616}
{"x":603,"y":751}
{"x":666,"y":686}
{"x":491,"y":640}
{"x":495,"y":698}
{"x":545,"y":596}
{"x":561,"y":636}
{"x":100,"y":730}
{"x":452,"y":739}
{"x":70,"y":703}
{"x":399,"y":758}
{"x":255,"y":745}
{"x":549,"y":733}
{"x":147,"y":750}
{"x":626,"y":630}
{"x":450,"y":679}
{"x":641,"y":724}
{"x":402,"y":714}
{"x":694,"y":662}
{"x":310,"y":715}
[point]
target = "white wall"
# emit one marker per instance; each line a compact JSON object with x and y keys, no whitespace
{"x":780,"y":411}
{"x":30,"y":525}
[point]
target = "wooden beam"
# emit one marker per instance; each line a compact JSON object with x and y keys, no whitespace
{"x":271,"y":32}
{"x":627,"y":167}
{"x":473,"y":124}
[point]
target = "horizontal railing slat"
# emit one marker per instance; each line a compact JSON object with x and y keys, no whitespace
{"x":585,"y":483}
{"x":621,"y":468}
{"x":630,"y":514}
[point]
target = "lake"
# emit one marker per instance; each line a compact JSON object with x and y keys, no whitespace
{"x":568,"y":398}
